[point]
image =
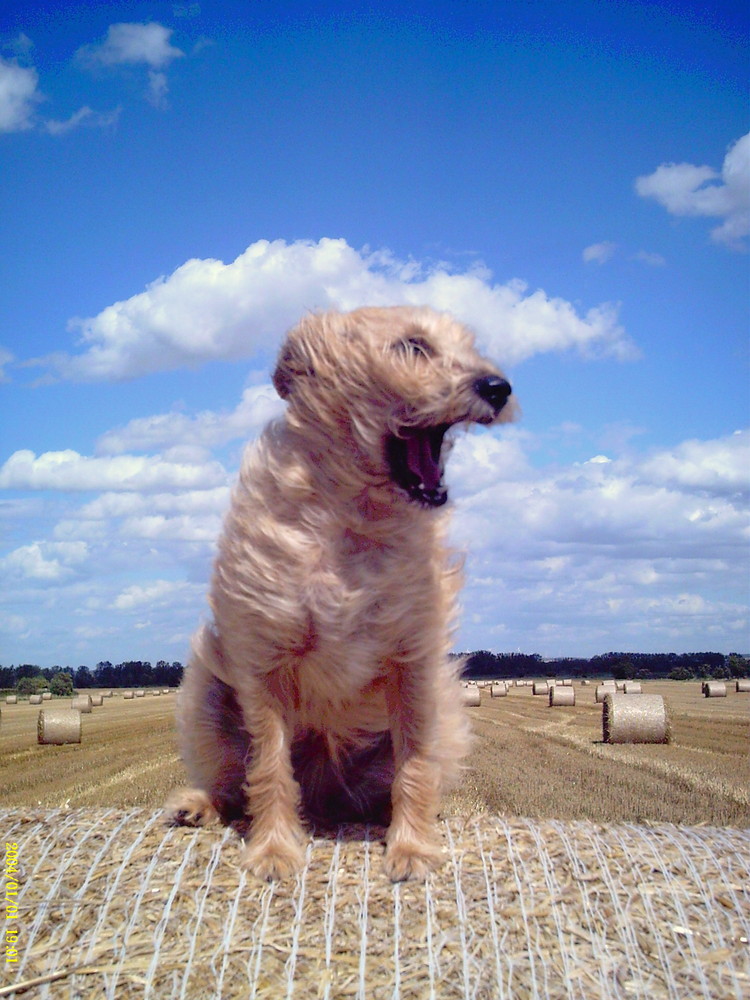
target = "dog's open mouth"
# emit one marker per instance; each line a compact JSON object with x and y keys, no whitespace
{"x":416,"y":464}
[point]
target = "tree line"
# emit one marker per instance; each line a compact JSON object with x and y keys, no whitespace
{"x":621,"y":666}
{"x":27,"y":678}
{"x":131,"y":673}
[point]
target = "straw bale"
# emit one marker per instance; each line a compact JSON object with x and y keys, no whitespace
{"x":58,"y":725}
{"x":122,"y":907}
{"x":742,"y":685}
{"x":472,"y":696}
{"x":602,"y":690}
{"x":715,"y":689}
{"x":566,"y":682}
{"x":97,"y":700}
{"x":562,"y":696}
{"x":35,"y":699}
{"x":498,"y":691}
{"x":11,"y":699}
{"x":46,"y":696}
{"x":540,"y":687}
{"x":633,"y":687}
{"x":140,"y":693}
{"x":127,"y":695}
{"x":641,"y":718}
{"x":82,"y":703}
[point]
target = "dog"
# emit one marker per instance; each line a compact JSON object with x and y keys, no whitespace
{"x":323,"y":690}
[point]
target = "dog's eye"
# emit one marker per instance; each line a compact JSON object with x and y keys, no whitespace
{"x":415,"y":347}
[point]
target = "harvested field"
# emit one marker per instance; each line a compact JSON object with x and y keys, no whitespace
{"x":528,"y":760}
{"x":594,"y":894}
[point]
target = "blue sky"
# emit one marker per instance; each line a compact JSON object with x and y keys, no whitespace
{"x":180,"y":182}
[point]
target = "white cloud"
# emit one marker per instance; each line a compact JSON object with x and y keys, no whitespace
{"x":599,"y":253}
{"x":44,"y":561}
{"x":721,"y":466}
{"x":18,"y":95}
{"x":69,"y":471}
{"x":258,"y":406}
{"x":157,"y":592}
{"x":652,"y":259}
{"x":207,"y":310}
{"x":133,"y":43}
{"x":5,"y":359}
{"x":688,"y":190}
{"x":83,"y":117}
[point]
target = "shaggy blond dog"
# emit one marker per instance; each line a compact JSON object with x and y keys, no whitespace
{"x":323,"y":689}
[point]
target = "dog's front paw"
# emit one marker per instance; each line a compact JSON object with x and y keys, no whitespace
{"x":189,"y":807}
{"x":273,"y":858}
{"x":410,"y":860}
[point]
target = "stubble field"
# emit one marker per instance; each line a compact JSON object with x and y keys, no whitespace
{"x":528,"y":760}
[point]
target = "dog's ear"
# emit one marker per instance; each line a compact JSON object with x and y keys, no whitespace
{"x":290,"y":367}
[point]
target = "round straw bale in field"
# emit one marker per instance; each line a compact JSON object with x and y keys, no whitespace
{"x":165,"y":690}
{"x":743,"y":685}
{"x":35,"y":699}
{"x":46,"y":696}
{"x":633,"y":687}
{"x":97,"y":700}
{"x":82,"y":703}
{"x":58,"y":725}
{"x":498,"y":691}
{"x":602,"y":690}
{"x":156,"y":694}
{"x":540,"y":687}
{"x":641,"y":718}
{"x":562,"y":695}
{"x":715,"y":689}
{"x":620,"y":685}
{"x":140,"y":693}
{"x":128,"y":695}
{"x":472,"y":696}
{"x":566,"y":682}
{"x":11,"y":699}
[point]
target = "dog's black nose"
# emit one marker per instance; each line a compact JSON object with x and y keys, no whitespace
{"x":494,"y":390}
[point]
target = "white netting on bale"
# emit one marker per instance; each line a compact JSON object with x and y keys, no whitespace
{"x":114,"y":904}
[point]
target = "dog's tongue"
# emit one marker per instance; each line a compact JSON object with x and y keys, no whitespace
{"x":423,"y":458}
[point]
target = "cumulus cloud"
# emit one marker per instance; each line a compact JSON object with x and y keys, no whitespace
{"x":19,"y":95}
{"x":207,"y":310}
{"x":721,"y":466}
{"x":137,"y":44}
{"x":69,"y":471}
{"x":259,"y":405}
{"x":685,"y":189}
{"x":133,"y":43}
{"x":44,"y":561}
{"x":642,"y":552}
{"x":155,"y":592}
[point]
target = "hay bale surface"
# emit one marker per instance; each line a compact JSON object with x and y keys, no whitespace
{"x":602,"y":690}
{"x":11,"y":699}
{"x":562,"y":696}
{"x":498,"y":691}
{"x":35,"y":699}
{"x":128,"y":695}
{"x":540,"y":687}
{"x":633,"y":687}
{"x":641,"y":718}
{"x":472,"y":696}
{"x":46,"y":696}
{"x":140,"y":693}
{"x":82,"y":703}
{"x":122,"y":907}
{"x":715,"y":689}
{"x":58,"y":726}
{"x":742,"y":685}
